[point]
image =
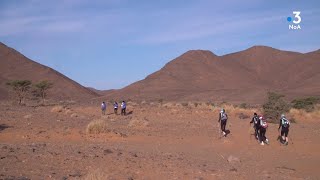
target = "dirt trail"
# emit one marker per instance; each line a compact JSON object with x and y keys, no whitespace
{"x":175,"y":143}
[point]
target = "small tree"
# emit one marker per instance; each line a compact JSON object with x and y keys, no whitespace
{"x":41,"y":89}
{"x":275,"y":106}
{"x":20,"y":88}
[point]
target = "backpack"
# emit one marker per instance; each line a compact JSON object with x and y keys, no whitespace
{"x":285,"y":123}
{"x":103,"y":106}
{"x":224,"y":116}
{"x":264,"y":123}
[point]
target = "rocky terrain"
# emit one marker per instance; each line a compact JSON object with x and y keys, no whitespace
{"x":153,"y":141}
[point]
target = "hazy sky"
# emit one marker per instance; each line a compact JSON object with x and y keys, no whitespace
{"x":112,"y":43}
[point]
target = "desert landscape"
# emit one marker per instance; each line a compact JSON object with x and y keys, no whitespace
{"x":171,"y":128}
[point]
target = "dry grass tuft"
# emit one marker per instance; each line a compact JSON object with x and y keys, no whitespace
{"x":97,"y":127}
{"x":57,"y":109}
{"x":236,"y":111}
{"x":301,"y":115}
{"x":96,"y":175}
{"x":74,"y":115}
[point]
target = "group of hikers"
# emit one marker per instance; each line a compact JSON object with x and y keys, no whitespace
{"x":115,"y":108}
{"x":260,"y":126}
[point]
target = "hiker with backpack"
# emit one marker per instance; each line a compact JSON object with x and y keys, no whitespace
{"x":262,"y":130}
{"x":223,"y":117}
{"x":115,"y":107}
{"x":103,"y":108}
{"x":123,"y":108}
{"x":284,"y":125}
{"x":256,"y":123}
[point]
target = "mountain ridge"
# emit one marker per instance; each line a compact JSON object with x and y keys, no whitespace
{"x":15,"y":65}
{"x":241,"y":76}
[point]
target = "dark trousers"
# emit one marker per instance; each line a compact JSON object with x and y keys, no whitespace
{"x":116,"y":110}
{"x":223,"y":125}
{"x":123,"y":111}
{"x":263,"y":134}
{"x":256,"y":131}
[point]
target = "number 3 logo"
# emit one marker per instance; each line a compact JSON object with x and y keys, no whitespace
{"x":297,"y":17}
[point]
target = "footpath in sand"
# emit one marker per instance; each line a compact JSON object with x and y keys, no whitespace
{"x":151,"y":142}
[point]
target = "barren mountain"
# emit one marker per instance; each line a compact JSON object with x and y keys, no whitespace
{"x":244,"y":76}
{"x":15,"y":66}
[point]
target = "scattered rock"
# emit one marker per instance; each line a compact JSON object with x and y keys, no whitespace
{"x":107,"y":151}
{"x":134,"y":154}
{"x":233,"y":159}
{"x":75,"y":174}
{"x":57,"y":109}
{"x":74,"y":115}
{"x":233,"y":170}
{"x":27,"y":116}
{"x":68,"y":111}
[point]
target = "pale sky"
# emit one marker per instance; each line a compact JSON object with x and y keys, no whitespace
{"x":109,"y":44}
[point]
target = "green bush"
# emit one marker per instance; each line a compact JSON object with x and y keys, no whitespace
{"x":307,"y":104}
{"x":275,"y":106}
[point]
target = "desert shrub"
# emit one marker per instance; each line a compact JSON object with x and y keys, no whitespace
{"x":301,"y":115}
{"x":307,"y":104}
{"x":243,"y":106}
{"x":275,"y":106}
{"x":195,"y":104}
{"x":243,"y":116}
{"x":160,"y":101}
{"x":184,"y":104}
{"x":97,"y":127}
{"x":293,"y":120}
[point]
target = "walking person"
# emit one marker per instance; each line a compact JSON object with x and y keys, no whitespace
{"x":263,"y":130}
{"x":115,"y":107}
{"x":103,"y":108}
{"x":223,"y":117}
{"x":123,"y":108}
{"x":256,"y":124}
{"x":284,"y":125}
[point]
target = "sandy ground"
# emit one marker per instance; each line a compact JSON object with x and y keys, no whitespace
{"x":151,"y":142}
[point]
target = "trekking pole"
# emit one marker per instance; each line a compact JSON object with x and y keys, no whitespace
{"x":218,"y":130}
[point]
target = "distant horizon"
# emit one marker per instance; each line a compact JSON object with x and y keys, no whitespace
{"x":112,"y":44}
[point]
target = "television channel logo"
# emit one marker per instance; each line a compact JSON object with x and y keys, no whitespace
{"x":296,"y":20}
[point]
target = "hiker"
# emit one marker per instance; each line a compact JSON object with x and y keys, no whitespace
{"x":256,"y":123}
{"x":223,"y":117}
{"x":123,"y":108}
{"x":103,"y":108}
{"x":284,"y":125}
{"x":115,"y":107}
{"x":262,"y":130}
